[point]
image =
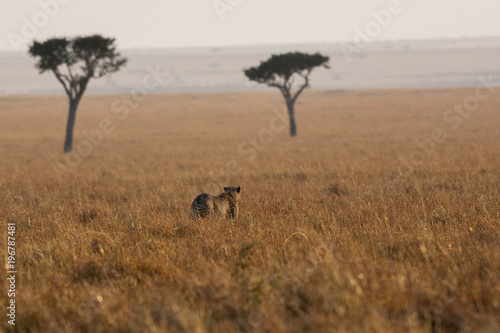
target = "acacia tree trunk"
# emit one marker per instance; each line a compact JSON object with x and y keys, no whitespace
{"x":68,"y":142}
{"x":291,"y":115}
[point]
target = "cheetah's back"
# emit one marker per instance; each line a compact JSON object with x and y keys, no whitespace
{"x":202,"y":206}
{"x":224,"y":205}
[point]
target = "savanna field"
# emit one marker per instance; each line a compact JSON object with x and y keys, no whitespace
{"x":335,"y":234}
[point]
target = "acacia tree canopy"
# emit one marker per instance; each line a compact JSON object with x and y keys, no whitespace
{"x":279,"y":68}
{"x":75,"y":61}
{"x":278,"y":71}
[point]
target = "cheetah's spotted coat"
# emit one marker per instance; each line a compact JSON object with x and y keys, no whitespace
{"x":224,"y":205}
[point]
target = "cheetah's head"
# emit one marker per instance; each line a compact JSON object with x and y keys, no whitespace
{"x":235,"y":190}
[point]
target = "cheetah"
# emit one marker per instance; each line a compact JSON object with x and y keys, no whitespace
{"x":224,"y":205}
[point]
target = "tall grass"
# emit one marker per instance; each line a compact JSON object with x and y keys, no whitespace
{"x":332,"y":236}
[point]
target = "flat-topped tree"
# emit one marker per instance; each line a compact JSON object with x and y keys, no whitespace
{"x":279,"y":71}
{"x":74,"y":62}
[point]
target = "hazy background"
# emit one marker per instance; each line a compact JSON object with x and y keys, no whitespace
{"x":180,"y":23}
{"x":426,"y":44}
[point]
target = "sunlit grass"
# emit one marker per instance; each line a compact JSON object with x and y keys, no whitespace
{"x":331,"y":236}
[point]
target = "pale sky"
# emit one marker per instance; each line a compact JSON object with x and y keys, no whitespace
{"x":186,"y":23}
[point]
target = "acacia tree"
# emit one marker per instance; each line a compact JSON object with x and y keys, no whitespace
{"x":74,"y":62}
{"x":279,"y":71}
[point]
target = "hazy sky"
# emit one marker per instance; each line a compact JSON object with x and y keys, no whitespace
{"x":174,"y":23}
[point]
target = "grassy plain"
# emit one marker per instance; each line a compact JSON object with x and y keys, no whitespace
{"x":334,"y":234}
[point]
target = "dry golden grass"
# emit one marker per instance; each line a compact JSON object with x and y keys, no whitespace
{"x":331,"y":237}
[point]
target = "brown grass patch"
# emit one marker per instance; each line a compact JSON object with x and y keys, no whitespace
{"x":330,"y":237}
